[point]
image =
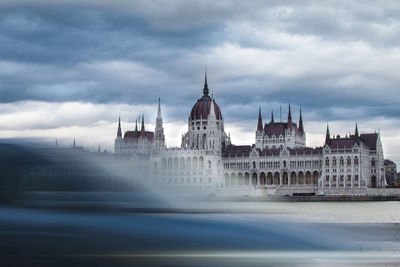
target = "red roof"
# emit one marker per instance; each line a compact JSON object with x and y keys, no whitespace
{"x":238,"y":151}
{"x":278,"y":128}
{"x":342,"y":142}
{"x":136,"y":134}
{"x":232,"y":151}
{"x":202,"y":108}
{"x":370,"y":140}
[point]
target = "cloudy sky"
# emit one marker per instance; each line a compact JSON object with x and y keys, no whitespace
{"x":68,"y":68}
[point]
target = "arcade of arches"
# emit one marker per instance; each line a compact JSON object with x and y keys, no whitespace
{"x":271,"y":178}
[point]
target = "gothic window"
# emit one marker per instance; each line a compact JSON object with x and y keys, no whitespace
{"x":348,"y":161}
{"x":373,"y":162}
{"x":356,"y":161}
{"x":334,"y":161}
{"x":341,"y":161}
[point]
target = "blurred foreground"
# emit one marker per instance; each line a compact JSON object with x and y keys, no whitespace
{"x":54,"y":211}
{"x":128,"y":229}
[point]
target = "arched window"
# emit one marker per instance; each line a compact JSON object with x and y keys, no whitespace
{"x":348,"y":161}
{"x":254,"y":164}
{"x":341,"y":161}
{"x":334,"y":161}
{"x":373,"y":162}
{"x":356,"y":161}
{"x":327,"y":162}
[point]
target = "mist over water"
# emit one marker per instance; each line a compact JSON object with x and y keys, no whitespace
{"x":63,"y":206}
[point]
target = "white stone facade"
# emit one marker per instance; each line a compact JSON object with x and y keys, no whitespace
{"x":278,"y":163}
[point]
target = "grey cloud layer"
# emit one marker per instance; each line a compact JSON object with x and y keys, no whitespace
{"x":329,"y":58}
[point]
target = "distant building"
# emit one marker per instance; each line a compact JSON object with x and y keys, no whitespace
{"x":390,"y":172}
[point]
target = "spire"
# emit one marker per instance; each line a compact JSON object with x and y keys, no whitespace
{"x":259,"y":125}
{"x":136,"y":126}
{"x":356,"y":133}
{"x":301,"y":128}
{"x":159,"y":130}
{"x":272,"y":116}
{"x":205,"y":89}
{"x":289,"y":115}
{"x":119,"y":132}
{"x":142,"y":128}
{"x":328,"y":136}
{"x":289,"y":120}
{"x":159,"y":109}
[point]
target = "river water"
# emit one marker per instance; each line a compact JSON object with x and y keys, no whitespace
{"x":107,"y":229}
{"x":317,"y":212}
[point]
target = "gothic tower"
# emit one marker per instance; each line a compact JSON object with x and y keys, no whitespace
{"x":159,"y":138}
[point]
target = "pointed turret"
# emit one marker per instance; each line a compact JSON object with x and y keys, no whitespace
{"x":328,"y":136}
{"x":205,"y":89}
{"x":289,"y":120}
{"x":159,"y":137}
{"x":119,"y":132}
{"x":272,"y":116}
{"x":301,"y":128}
{"x":142,"y":128}
{"x":159,"y":109}
{"x":356,"y":133}
{"x":260,"y":124}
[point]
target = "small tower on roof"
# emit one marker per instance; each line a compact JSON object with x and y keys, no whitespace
{"x":205,"y":89}
{"x":301,"y":127}
{"x":142,"y":130}
{"x":289,"y":122}
{"x":327,"y":136}
{"x":356,"y":132}
{"x":119,"y":132}
{"x":272,"y":116}
{"x":159,"y":136}
{"x":259,"y":124}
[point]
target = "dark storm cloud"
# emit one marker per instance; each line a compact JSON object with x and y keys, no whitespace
{"x":328,"y":58}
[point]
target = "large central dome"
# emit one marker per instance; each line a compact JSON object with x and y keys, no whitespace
{"x":201,"y":109}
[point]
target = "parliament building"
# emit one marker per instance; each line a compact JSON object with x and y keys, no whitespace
{"x":278,"y":163}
